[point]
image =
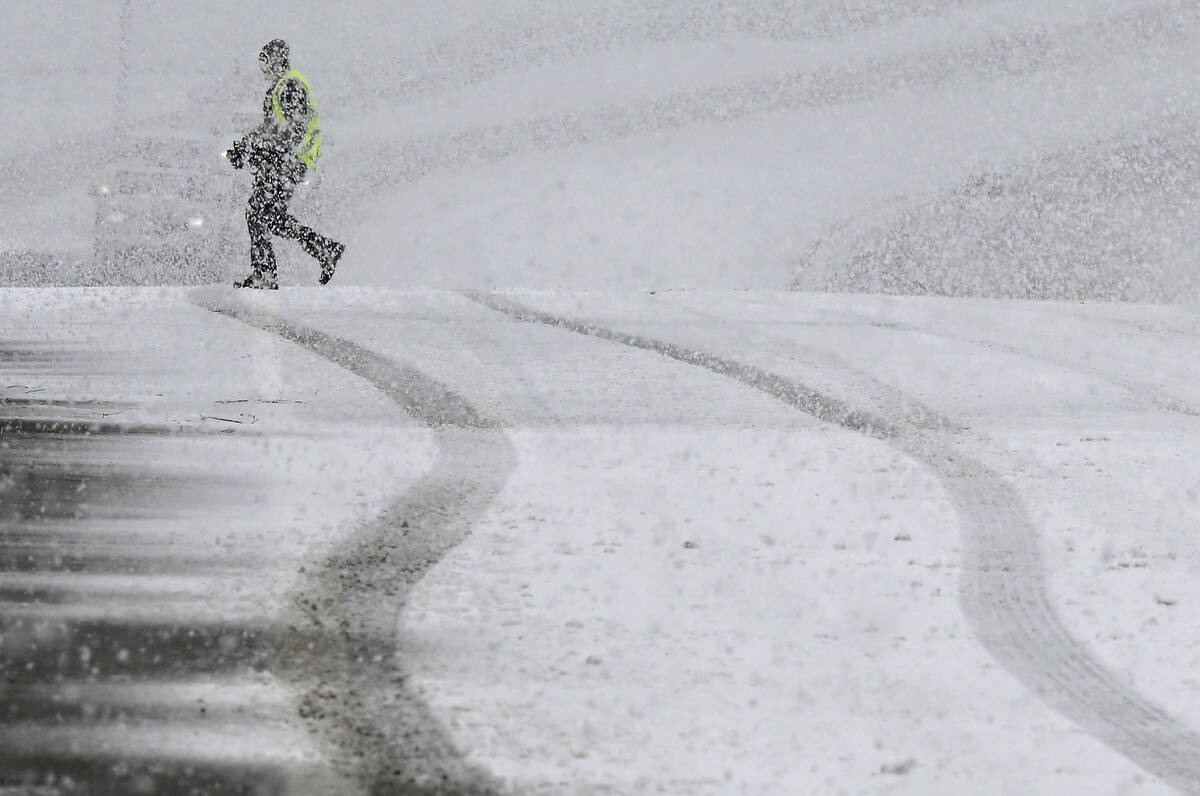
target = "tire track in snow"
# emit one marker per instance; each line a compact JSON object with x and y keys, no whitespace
{"x":1152,"y":327}
{"x":1153,"y":396}
{"x":1003,"y":591}
{"x":344,"y":640}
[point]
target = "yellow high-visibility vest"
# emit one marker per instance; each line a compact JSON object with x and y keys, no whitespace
{"x":309,"y":148}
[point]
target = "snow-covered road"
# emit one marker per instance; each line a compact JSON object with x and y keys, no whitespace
{"x":701,"y":542}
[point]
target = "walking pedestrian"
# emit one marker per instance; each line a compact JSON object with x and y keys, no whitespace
{"x":279,"y":153}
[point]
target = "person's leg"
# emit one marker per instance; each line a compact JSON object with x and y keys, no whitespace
{"x":324,"y":250}
{"x":262,"y":253}
{"x":261,"y":212}
{"x":309,"y":240}
{"x":268,"y":215}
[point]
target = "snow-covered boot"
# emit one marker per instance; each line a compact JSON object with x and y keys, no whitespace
{"x":333,"y":253}
{"x":259,"y":281}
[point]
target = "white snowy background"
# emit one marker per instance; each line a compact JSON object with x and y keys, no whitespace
{"x":986,"y":211}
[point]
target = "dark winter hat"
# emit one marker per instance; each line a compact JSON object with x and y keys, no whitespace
{"x":275,"y":53}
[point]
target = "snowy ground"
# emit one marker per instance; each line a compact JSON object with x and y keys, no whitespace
{"x":687,"y":584}
{"x":604,"y":465}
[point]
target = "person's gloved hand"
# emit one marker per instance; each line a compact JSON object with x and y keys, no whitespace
{"x":237,"y":153}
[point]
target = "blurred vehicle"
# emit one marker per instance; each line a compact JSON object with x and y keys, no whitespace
{"x":168,"y":212}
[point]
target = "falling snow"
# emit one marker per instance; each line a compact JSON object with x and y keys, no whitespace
{"x":758,"y":397}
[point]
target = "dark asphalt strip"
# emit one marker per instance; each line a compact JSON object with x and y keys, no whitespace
{"x":1002,"y":587}
{"x":344,"y":638}
{"x":48,"y":522}
{"x":17,"y":425}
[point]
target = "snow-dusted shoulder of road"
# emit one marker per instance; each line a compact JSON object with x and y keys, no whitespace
{"x":777,"y":610}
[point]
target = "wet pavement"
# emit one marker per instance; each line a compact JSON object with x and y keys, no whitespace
{"x":87,"y":561}
{"x":200,"y":597}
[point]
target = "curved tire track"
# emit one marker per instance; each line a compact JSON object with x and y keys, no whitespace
{"x":1155,"y":397}
{"x":1003,"y":591}
{"x":343,"y":643}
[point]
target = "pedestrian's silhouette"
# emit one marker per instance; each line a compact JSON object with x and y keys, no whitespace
{"x":279,"y":153}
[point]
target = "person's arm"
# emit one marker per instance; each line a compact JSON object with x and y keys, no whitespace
{"x":272,"y":138}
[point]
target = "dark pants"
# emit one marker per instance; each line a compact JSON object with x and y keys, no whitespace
{"x":267,"y":214}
